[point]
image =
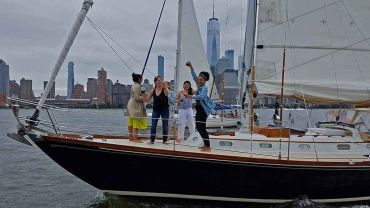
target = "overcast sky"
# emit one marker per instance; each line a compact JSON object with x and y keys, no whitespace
{"x":33,"y":32}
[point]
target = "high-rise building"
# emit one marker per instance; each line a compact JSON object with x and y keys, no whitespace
{"x":26,"y":89}
{"x":120,"y":94}
{"x":230,"y":56}
{"x":230,"y":86}
{"x":109,"y":86}
{"x":14,"y":89}
{"x":102,"y":85}
{"x":52,"y":90}
{"x":4,"y":82}
{"x":213,"y":41}
{"x":92,"y":88}
{"x":71,"y":79}
{"x":78,"y":92}
{"x":161,"y":66}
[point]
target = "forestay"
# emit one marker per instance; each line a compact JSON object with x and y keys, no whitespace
{"x":327,"y":41}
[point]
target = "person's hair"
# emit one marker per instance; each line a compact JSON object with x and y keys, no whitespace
{"x":205,"y":75}
{"x":156,"y":78}
{"x":136,"y":77}
{"x":190,"y":89}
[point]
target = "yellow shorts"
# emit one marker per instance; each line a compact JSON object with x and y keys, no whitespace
{"x":137,"y":123}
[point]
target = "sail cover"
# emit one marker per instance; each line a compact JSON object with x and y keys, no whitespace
{"x":327,"y":50}
{"x":190,"y":47}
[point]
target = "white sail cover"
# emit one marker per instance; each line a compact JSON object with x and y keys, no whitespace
{"x":190,"y":47}
{"x":327,"y":50}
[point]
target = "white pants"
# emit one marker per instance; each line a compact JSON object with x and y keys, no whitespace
{"x":185,"y":116}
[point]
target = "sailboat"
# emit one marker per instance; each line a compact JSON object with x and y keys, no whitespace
{"x":328,"y":163}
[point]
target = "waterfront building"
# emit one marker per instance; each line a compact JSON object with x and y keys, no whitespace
{"x":14,"y":89}
{"x":161,"y":66}
{"x":213,"y":42}
{"x":102,"y":85}
{"x":52,"y":90}
{"x":78,"y":92}
{"x":120,"y":94}
{"x":4,"y":82}
{"x":92,"y":88}
{"x":230,"y":86}
{"x":71,"y":78}
{"x":26,"y":89}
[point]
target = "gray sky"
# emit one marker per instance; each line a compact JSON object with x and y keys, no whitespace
{"x":33,"y":32}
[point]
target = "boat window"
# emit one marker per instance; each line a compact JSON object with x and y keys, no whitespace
{"x":343,"y":147}
{"x":265,"y":145}
{"x":304,"y":146}
{"x":226,"y":143}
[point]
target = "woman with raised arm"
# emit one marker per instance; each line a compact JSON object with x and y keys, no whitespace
{"x":185,"y":110}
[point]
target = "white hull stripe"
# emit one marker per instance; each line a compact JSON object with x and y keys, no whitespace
{"x":228,"y":199}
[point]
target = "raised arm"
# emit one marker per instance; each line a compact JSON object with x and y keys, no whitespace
{"x":193,"y":74}
{"x":149,"y":95}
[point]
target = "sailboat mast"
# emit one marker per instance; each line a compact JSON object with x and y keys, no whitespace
{"x":87,"y":4}
{"x":282,"y":89}
{"x":177,"y":74}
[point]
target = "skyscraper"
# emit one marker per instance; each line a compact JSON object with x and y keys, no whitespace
{"x":26,"y":89}
{"x":78,"y":92}
{"x":230,"y":56}
{"x":161,"y":66}
{"x":71,"y":79}
{"x":52,"y":90}
{"x":92,"y":88}
{"x":213,"y":41}
{"x":102,"y":85}
{"x":14,"y":89}
{"x":4,"y":82}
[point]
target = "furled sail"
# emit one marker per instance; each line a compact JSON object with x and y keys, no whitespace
{"x":327,"y":50}
{"x":190,"y":47}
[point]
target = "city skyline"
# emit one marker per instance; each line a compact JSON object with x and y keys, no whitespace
{"x":41,"y":46}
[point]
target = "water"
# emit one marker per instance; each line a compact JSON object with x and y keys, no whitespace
{"x":28,"y":178}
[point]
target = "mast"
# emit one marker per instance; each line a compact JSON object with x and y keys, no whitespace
{"x":178,"y":50}
{"x":87,"y":4}
{"x":282,"y":89}
{"x":249,"y":43}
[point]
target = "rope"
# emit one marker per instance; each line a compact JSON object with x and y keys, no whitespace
{"x":151,"y":44}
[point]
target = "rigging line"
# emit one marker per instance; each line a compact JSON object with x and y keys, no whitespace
{"x":151,"y":44}
{"x":317,"y":58}
{"x":332,"y":54}
{"x":126,"y":51}
{"x":241,"y":26}
{"x":110,"y":46}
{"x":298,"y":16}
{"x":353,"y":53}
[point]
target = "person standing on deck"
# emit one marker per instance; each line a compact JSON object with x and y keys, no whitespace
{"x":160,"y":109}
{"x":185,"y":110}
{"x":173,"y":121}
{"x":136,"y":109}
{"x":203,"y":105}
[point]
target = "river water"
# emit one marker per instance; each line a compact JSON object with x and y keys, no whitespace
{"x":28,"y":178}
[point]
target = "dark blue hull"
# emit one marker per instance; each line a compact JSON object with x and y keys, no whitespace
{"x":138,"y":173}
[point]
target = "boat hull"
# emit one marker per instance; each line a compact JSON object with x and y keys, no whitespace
{"x":135,"y":173}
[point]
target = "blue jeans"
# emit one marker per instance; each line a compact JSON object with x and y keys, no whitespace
{"x":155,"y":118}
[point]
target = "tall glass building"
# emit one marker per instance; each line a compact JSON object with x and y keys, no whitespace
{"x":213,"y":42}
{"x":71,"y":79}
{"x":161,"y":66}
{"x":4,"y":82}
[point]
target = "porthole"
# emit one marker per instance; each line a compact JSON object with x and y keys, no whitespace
{"x":343,"y":147}
{"x":304,"y":146}
{"x":265,"y":145}
{"x":226,"y":143}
